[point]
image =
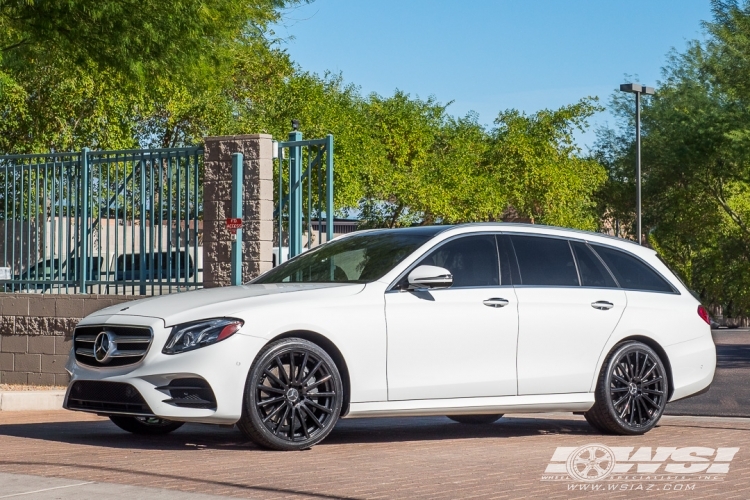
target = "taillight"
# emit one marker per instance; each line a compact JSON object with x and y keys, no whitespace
{"x":703,"y":313}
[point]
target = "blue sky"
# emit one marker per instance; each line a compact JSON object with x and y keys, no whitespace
{"x":488,"y":56}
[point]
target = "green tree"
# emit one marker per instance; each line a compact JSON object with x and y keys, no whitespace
{"x":119,"y":73}
{"x":696,"y":162}
{"x":535,"y":159}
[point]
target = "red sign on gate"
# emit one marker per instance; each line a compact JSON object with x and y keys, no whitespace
{"x":234,"y":224}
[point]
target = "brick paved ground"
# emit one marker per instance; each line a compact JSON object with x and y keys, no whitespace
{"x":385,"y":458}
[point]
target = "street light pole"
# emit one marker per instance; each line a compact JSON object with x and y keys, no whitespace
{"x":637,"y":89}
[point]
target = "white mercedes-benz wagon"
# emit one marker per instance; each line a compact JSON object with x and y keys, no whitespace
{"x":470,"y":321}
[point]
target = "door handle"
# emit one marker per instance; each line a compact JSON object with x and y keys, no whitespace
{"x":602,"y":305}
{"x":495,"y":302}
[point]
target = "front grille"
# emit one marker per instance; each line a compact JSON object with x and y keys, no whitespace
{"x":107,"y":397}
{"x":130,"y":344}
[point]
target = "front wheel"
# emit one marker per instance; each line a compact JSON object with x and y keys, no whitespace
{"x":475,"y":419}
{"x":293,"y":396}
{"x":631,"y":392}
{"x":150,"y":426}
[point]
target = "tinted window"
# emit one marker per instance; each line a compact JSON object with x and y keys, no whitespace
{"x":630,"y":272}
{"x":545,"y":261}
{"x":590,"y":268}
{"x":472,"y":260}
{"x":355,"y":259}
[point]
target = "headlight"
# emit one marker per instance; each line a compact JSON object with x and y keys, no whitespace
{"x":189,"y":336}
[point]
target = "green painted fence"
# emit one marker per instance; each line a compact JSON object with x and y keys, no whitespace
{"x":107,"y":222}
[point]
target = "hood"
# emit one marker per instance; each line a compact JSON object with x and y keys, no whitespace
{"x":217,"y":302}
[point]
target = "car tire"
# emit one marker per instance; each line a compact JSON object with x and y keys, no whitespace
{"x":631,"y":391}
{"x":593,"y":422}
{"x":293,"y":396}
{"x":149,"y":426}
{"x":475,"y":419}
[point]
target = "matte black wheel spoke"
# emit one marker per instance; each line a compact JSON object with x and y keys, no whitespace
{"x":619,"y":379}
{"x":291,"y":423}
{"x":653,"y":391}
{"x":301,"y":371}
{"x":312,"y":416}
{"x":274,"y":412}
{"x":269,"y":389}
{"x":618,"y":389}
{"x":646,"y":411}
{"x":321,"y":394}
{"x":617,"y":403}
{"x":637,"y":365}
{"x":652,"y":381}
{"x":281,"y":420}
{"x":274,"y":379}
{"x":650,"y":370}
{"x":650,"y":401}
{"x":270,"y":401}
{"x":643,"y":367}
{"x":318,"y":382}
{"x":303,"y":422}
{"x":282,"y":370}
{"x":311,"y":372}
{"x":625,"y":408}
{"x":319,"y":407}
{"x":291,"y":367}
{"x":641,"y":417}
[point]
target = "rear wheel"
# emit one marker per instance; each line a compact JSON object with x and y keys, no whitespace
{"x":475,"y":419}
{"x":151,"y":426}
{"x":293,"y":396}
{"x":631,"y":392}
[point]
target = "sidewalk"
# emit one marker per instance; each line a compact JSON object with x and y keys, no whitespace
{"x":42,"y":488}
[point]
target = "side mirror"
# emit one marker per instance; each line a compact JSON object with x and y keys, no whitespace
{"x":429,"y":277}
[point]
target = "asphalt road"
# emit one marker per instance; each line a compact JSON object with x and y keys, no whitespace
{"x":729,"y":395}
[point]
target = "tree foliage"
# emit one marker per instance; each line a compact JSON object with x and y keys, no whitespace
{"x":112,"y":74}
{"x":696,"y":162}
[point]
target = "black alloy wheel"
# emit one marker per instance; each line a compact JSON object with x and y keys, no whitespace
{"x":631,"y":392}
{"x":149,"y":426}
{"x":475,"y":419}
{"x":293,"y":396}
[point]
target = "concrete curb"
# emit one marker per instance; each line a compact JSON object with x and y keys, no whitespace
{"x":31,"y":400}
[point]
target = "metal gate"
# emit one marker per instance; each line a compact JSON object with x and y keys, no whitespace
{"x":102,"y":222}
{"x":307,"y":194}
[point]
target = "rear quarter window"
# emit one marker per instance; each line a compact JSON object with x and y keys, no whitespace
{"x":632,"y":273}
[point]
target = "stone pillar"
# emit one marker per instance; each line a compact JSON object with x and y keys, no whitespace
{"x":257,"y":205}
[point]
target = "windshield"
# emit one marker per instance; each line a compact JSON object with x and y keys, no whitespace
{"x":355,"y":259}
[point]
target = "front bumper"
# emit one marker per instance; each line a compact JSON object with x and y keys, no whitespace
{"x":224,"y":366}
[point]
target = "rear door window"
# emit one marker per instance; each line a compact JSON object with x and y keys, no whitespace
{"x":592,"y":271}
{"x":632,"y":273}
{"x":545,"y":261}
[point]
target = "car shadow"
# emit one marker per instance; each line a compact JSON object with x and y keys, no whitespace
{"x":360,"y":431}
{"x":400,"y":429}
{"x":733,"y":356}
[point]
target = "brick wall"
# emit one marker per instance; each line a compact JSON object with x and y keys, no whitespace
{"x":36,"y":334}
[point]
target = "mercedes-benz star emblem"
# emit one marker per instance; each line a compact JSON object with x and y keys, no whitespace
{"x":104,"y":346}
